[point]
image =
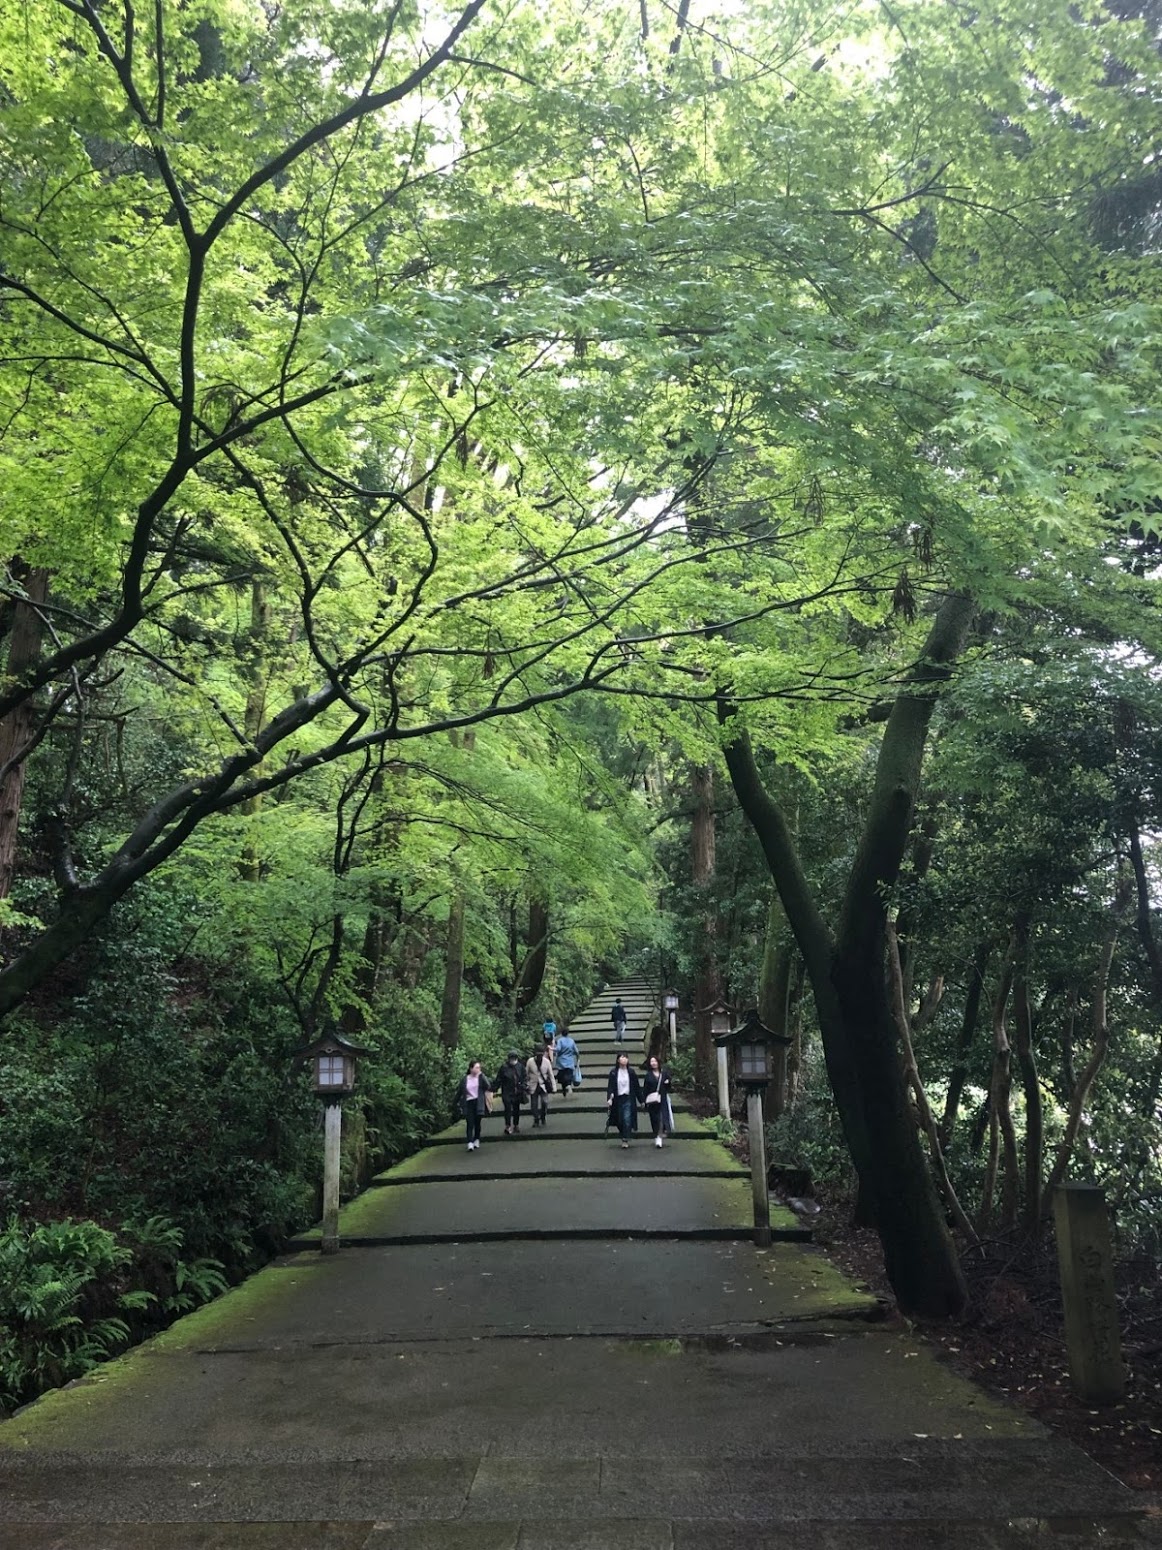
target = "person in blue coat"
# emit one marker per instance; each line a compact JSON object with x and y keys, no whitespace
{"x":568,"y":1059}
{"x":623,"y":1098}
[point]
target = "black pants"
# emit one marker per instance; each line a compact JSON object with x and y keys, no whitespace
{"x":472,"y":1120}
{"x":511,"y":1112}
{"x":657,"y":1113}
{"x":539,"y":1106}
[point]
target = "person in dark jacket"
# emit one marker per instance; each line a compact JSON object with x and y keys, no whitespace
{"x":623,"y":1098}
{"x":618,"y":1015}
{"x":472,"y":1101}
{"x":510,"y":1081}
{"x":656,"y":1091}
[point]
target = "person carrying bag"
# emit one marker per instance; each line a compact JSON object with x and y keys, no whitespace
{"x":656,"y":1087}
{"x":540,"y":1083}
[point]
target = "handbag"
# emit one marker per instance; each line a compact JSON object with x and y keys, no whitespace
{"x":488,"y":1102}
{"x":577,"y":1075}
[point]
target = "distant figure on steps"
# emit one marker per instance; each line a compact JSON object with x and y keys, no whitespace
{"x":567,"y":1059}
{"x":472,"y":1101}
{"x":540,"y":1083}
{"x":623,"y":1098}
{"x":656,"y":1087}
{"x":618,"y":1015}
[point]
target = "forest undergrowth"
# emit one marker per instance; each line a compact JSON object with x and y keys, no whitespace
{"x":1011,"y":1337}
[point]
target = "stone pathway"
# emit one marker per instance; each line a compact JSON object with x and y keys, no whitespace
{"x":548,"y":1344}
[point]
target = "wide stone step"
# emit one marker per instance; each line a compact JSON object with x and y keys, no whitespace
{"x":570,"y":1130}
{"x":453,"y":1501}
{"x":612,"y":1206}
{"x":544,"y":1155}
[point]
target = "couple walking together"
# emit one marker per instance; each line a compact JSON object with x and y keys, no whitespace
{"x":626,"y":1093}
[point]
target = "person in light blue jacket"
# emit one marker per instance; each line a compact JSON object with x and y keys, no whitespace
{"x":568,"y":1062}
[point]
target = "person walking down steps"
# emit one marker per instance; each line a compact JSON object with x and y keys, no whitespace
{"x":472,"y":1100}
{"x":623,"y":1098}
{"x":618,"y":1015}
{"x":510,"y":1081}
{"x":540,"y":1083}
{"x":656,"y":1087}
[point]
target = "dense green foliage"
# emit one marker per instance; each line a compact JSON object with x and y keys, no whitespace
{"x":420,"y":448}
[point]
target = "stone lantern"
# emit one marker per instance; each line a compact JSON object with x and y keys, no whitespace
{"x":752,"y":1045}
{"x":333,"y":1059}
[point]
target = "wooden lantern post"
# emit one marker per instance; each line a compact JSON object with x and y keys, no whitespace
{"x":753,"y":1045}
{"x":334,"y":1059}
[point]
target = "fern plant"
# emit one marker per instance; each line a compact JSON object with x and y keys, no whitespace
{"x":196,"y":1282}
{"x":46,"y":1272}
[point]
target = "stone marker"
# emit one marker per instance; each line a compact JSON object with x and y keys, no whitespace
{"x":332,"y":1139}
{"x":1085,"y":1255}
{"x":758,"y":1167}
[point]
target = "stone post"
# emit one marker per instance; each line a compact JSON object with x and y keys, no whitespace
{"x":332,"y":1135}
{"x":723,"y":1082}
{"x":1085,"y":1255}
{"x":758,"y":1167}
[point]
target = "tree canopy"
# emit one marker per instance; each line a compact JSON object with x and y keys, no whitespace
{"x":425,"y":435}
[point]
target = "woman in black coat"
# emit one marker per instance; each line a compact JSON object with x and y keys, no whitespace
{"x":472,"y":1101}
{"x":656,"y":1087}
{"x":513,"y":1089}
{"x":623,"y":1098}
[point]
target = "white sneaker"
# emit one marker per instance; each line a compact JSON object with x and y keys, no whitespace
{"x":658,"y":1141}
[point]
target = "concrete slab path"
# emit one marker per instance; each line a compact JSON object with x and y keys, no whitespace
{"x":632,"y":1384}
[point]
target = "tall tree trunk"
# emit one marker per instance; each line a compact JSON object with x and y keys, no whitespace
{"x":774,"y":1002}
{"x":1000,"y":1088}
{"x":925,"y":1117}
{"x":454,"y":940}
{"x":707,"y":984}
{"x":848,"y":978}
{"x":1068,"y":1026}
{"x":531,"y":975}
{"x":1144,"y":915}
{"x":795,"y":1029}
{"x":968,"y":1024}
{"x":1098,"y":1048}
{"x":254,"y":672}
{"x":17,"y":728}
{"x":453,"y":975}
{"x":1030,"y":1083}
{"x":365,"y":980}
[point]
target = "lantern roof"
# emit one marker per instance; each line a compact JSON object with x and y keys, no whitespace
{"x":752,"y":1030}
{"x":330,"y":1043}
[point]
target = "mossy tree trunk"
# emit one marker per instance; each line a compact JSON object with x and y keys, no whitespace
{"x":453,"y":975}
{"x":847,"y":973}
{"x":775,"y":1001}
{"x":18,"y":731}
{"x":703,"y":859}
{"x":530,"y":974}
